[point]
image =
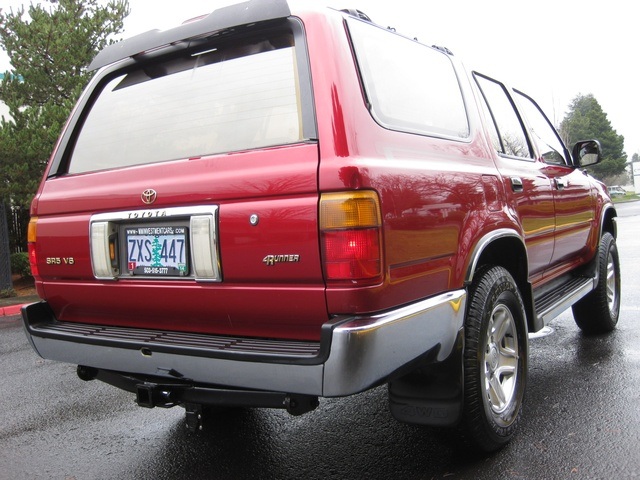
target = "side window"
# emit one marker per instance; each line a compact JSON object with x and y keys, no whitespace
{"x":508,"y":135}
{"x":544,"y":135}
{"x":409,"y":87}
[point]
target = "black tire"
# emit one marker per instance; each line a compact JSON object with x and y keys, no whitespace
{"x":495,"y":360}
{"x":598,"y":312}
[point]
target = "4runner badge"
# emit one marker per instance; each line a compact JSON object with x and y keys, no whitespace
{"x":271,"y":260}
{"x":149,"y":196}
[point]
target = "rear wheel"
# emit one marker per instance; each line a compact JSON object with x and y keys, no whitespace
{"x":495,"y":359}
{"x":598,"y":312}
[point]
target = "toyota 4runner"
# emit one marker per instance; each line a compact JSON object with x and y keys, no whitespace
{"x":273,"y":203}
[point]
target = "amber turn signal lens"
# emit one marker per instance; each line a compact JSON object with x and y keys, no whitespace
{"x":349,"y":210}
{"x":31,"y":230}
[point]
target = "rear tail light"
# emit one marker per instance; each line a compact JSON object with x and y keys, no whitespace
{"x":350,"y":227}
{"x":102,"y":249}
{"x":203,"y":246}
{"x":31,"y":245}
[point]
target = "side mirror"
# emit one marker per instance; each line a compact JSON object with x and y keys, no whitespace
{"x":587,"y":153}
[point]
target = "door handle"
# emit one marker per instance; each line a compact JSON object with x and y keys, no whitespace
{"x":516,"y":184}
{"x":560,"y":183}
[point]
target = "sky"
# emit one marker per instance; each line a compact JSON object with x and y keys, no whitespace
{"x":553,"y":50}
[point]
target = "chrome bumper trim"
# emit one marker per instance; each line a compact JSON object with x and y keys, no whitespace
{"x":365,"y":351}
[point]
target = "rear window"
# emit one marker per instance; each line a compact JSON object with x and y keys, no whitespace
{"x":410,"y":87}
{"x":223,"y":99}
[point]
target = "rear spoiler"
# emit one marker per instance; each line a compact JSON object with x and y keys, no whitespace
{"x":245,"y":13}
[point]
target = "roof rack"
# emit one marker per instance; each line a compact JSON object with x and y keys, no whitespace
{"x":357,"y":13}
{"x":245,"y":13}
{"x":443,"y":49}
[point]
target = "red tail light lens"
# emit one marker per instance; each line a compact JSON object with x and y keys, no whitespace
{"x":350,"y":224}
{"x":352,"y":254}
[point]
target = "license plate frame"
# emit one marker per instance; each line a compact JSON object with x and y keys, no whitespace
{"x":157,"y":251}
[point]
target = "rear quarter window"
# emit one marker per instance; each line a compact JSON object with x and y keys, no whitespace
{"x":410,"y":87}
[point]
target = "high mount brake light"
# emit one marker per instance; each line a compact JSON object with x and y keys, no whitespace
{"x":350,"y":226}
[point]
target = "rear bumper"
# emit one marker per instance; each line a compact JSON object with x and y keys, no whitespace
{"x":354,"y":354}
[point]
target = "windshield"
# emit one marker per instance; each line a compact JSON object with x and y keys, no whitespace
{"x":240,"y":97}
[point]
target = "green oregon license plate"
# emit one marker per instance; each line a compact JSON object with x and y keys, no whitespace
{"x":157,"y":251}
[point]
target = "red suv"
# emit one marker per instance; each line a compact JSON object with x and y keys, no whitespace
{"x":271,"y":205}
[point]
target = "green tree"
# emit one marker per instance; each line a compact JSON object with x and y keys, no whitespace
{"x":586,"y":120}
{"x":49,"y":49}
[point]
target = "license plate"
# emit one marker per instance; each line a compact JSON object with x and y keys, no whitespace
{"x":157,"y":251}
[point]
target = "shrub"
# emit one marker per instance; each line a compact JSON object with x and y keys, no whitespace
{"x":20,"y":264}
{"x":8,"y":293}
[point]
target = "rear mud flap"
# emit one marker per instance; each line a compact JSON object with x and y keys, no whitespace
{"x":432,"y":394}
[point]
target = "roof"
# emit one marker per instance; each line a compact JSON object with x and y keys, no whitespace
{"x":234,"y":15}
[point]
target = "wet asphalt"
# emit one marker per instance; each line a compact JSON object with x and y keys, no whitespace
{"x":581,"y":419}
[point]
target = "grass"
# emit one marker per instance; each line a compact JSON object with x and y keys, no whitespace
{"x":629,"y":197}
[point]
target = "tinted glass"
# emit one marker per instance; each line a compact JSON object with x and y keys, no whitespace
{"x":222,"y":100}
{"x":551,"y":147}
{"x":410,"y":87}
{"x":511,"y":138}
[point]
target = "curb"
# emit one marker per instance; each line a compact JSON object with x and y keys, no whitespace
{"x":10,"y":310}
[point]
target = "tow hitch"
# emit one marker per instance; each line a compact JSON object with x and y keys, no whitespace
{"x":294,"y":404}
{"x":194,"y":416}
{"x":195,"y":399}
{"x":151,"y":395}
